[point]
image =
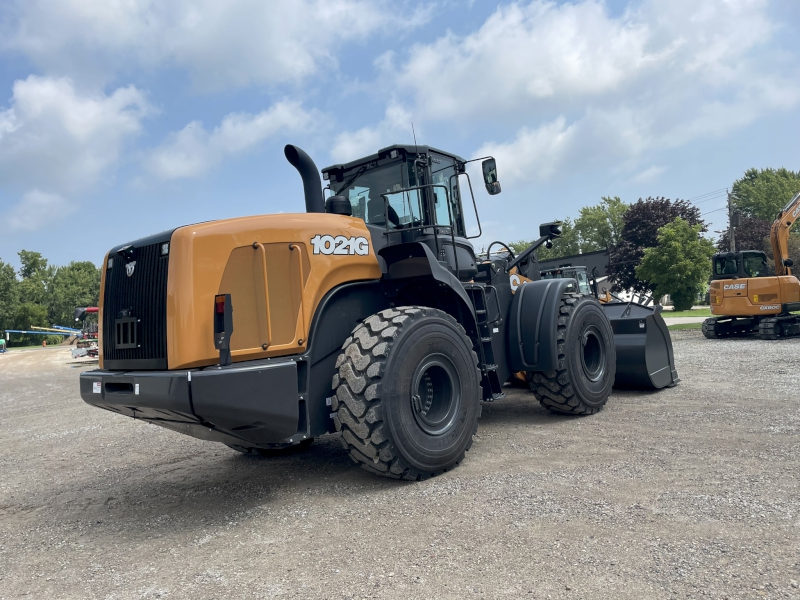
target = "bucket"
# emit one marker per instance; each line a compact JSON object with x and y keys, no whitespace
{"x":644,"y":347}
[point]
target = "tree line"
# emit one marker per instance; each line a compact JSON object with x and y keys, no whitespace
{"x":656,"y":245}
{"x":41,"y":294}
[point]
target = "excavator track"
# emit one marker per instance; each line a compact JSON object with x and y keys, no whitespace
{"x":773,"y":328}
{"x":715,"y":328}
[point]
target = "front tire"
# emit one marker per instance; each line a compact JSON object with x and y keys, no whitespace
{"x":407,"y":393}
{"x":587,"y":360}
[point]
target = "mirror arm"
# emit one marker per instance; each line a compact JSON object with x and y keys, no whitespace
{"x":528,"y":251}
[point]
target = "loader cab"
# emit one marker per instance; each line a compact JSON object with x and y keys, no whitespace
{"x":579,"y":274}
{"x":736,"y":265}
{"x":407,"y":193}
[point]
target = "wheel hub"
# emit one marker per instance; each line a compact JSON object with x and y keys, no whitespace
{"x":593,"y":354}
{"x":435,"y":394}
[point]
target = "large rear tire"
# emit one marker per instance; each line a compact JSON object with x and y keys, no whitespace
{"x":407,"y":395}
{"x":587,"y":360}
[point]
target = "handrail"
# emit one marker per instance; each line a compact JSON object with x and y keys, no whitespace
{"x":260,"y":246}
{"x":299,"y":254}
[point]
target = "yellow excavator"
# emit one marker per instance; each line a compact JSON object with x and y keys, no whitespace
{"x":746,"y":299}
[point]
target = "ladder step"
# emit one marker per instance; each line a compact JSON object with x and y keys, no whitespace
{"x":486,"y":339}
{"x":480,"y":312}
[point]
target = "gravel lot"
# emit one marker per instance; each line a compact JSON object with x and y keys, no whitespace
{"x":691,"y":492}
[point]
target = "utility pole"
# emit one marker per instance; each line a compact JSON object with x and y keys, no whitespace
{"x":731,"y":228}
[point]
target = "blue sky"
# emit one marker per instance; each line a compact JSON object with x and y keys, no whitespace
{"x":123,"y":118}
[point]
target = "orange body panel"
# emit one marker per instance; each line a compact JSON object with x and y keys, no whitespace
{"x":753,"y":296}
{"x":201,"y":254}
{"x":100,"y":311}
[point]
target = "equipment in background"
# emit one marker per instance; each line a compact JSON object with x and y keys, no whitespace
{"x":369,"y":315}
{"x":89,"y":333}
{"x":746,"y":298}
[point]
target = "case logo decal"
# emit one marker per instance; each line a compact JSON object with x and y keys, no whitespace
{"x":339,"y":245}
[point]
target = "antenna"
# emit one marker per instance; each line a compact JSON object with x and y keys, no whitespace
{"x":415,"y":138}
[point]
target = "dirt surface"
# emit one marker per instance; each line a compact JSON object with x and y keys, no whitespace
{"x":691,"y":492}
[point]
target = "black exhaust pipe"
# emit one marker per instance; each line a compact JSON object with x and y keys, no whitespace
{"x":311,"y":182}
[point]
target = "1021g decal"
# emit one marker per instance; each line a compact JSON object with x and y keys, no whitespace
{"x":339,"y":245}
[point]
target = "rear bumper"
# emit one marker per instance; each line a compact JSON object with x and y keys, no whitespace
{"x":258,"y":403}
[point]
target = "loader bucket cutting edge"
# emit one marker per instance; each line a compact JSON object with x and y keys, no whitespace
{"x":644,"y":347}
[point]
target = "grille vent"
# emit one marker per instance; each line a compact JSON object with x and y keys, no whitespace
{"x":138,"y":304}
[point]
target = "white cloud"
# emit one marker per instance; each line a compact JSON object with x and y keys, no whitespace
{"x":36,"y":210}
{"x":367,"y":140}
{"x":56,"y":137}
{"x":649,"y":174}
{"x":193,"y":150}
{"x":582,"y":87}
{"x":222,"y":44}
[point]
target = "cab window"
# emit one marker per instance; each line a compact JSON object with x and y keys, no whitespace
{"x":445,"y":192}
{"x":364,"y":193}
{"x":583,"y":282}
{"x":725,"y":266}
{"x":755,"y":265}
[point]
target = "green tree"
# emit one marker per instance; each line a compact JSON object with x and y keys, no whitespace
{"x":679,"y":265}
{"x":9,"y":295}
{"x":77,"y":284}
{"x":29,"y":314}
{"x":643,"y":219}
{"x":37,"y":277}
{"x":32,"y":263}
{"x":600,"y":226}
{"x":762,"y":193}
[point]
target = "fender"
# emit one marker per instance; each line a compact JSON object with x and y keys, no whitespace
{"x":533,"y":325}
{"x":408,"y":264}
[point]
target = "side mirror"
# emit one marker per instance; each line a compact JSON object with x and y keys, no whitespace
{"x":788,"y":262}
{"x":490,"y":176}
{"x":552,"y":230}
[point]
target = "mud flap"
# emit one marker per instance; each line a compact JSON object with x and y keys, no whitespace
{"x":644,"y":347}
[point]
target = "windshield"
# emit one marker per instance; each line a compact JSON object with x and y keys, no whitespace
{"x":755,"y":264}
{"x":364,"y":187}
{"x":365,"y":192}
{"x":725,"y":266}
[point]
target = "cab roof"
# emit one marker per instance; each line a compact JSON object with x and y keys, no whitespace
{"x":408,"y":149}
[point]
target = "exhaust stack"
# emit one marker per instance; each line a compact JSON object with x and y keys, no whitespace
{"x":310,"y":175}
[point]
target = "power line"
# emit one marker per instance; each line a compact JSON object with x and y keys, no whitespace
{"x":707,"y":194}
{"x":718,"y":196}
{"x":713,"y":211}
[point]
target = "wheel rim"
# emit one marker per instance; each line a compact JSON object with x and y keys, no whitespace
{"x":593,"y":354}
{"x":435,"y":394}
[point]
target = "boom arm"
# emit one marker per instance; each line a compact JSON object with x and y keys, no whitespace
{"x":779,"y":236}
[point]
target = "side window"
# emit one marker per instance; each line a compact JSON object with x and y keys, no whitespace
{"x":441,"y":198}
{"x":358,"y":200}
{"x":583,"y":282}
{"x":445,"y":191}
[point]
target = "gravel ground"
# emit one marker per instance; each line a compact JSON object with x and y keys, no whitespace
{"x":690,"y":492}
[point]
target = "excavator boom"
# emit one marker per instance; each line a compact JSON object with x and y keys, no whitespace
{"x":779,"y":235}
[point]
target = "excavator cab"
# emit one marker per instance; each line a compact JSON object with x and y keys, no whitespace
{"x":735,"y":265}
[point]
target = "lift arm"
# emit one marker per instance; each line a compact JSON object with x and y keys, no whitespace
{"x":779,"y":236}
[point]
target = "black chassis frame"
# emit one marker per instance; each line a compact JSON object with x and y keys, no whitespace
{"x":282,"y":401}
